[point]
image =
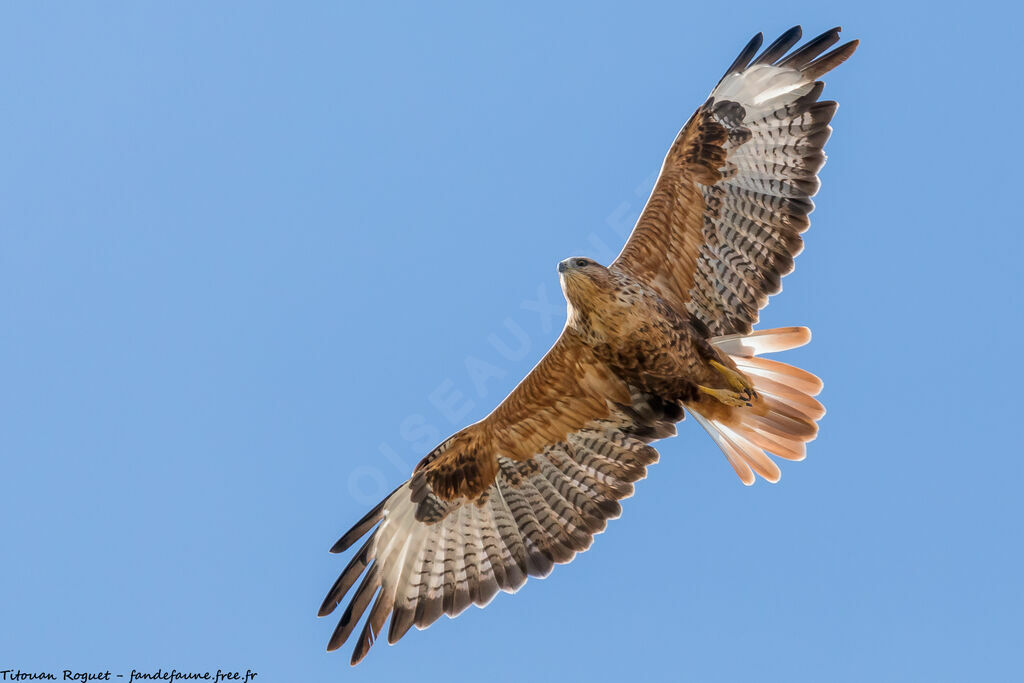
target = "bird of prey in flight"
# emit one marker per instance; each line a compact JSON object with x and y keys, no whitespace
{"x":665,"y":329}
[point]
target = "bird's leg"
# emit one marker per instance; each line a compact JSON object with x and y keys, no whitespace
{"x":735,"y":379}
{"x":742,"y":392}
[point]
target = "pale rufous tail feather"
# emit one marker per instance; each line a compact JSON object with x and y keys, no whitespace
{"x":784,"y":417}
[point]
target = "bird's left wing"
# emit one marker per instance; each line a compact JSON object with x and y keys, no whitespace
{"x":506,"y":498}
{"x":723,"y":223}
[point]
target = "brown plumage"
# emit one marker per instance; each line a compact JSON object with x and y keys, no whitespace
{"x":666,"y":327}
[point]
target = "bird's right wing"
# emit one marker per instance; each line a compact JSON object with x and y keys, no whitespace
{"x":506,"y":498}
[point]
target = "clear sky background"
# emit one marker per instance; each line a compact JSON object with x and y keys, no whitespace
{"x":248,"y":252}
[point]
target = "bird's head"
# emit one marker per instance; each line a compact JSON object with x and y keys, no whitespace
{"x":583,"y":280}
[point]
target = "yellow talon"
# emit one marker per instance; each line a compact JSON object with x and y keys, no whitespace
{"x":729,"y":398}
{"x":742,"y":392}
{"x":735,"y":379}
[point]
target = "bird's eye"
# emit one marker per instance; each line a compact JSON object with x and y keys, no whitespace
{"x":580,"y":262}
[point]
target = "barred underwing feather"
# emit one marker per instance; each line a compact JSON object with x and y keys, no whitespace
{"x":539,"y":561}
{"x":492,"y":575}
{"x":514,"y":551}
{"x":551,"y":536}
{"x":457,"y":551}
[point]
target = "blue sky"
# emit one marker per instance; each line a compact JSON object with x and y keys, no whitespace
{"x":250,"y":254}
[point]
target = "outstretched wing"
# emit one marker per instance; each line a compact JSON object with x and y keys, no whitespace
{"x":504,"y":499}
{"x":723,"y":223}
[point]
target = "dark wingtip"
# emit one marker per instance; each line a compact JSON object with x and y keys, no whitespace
{"x":831,"y":60}
{"x":810,"y":51}
{"x":777,"y":49}
{"x":807,"y":58}
{"x":326,"y":608}
{"x":335,"y":642}
{"x":362,"y":526}
{"x":365,"y":642}
{"x":347,"y":579}
{"x":745,"y":55}
{"x":341,"y":545}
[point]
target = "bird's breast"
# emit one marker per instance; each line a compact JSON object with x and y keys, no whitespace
{"x":640,"y":340}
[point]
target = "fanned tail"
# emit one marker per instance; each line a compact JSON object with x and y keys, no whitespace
{"x":782,"y":419}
